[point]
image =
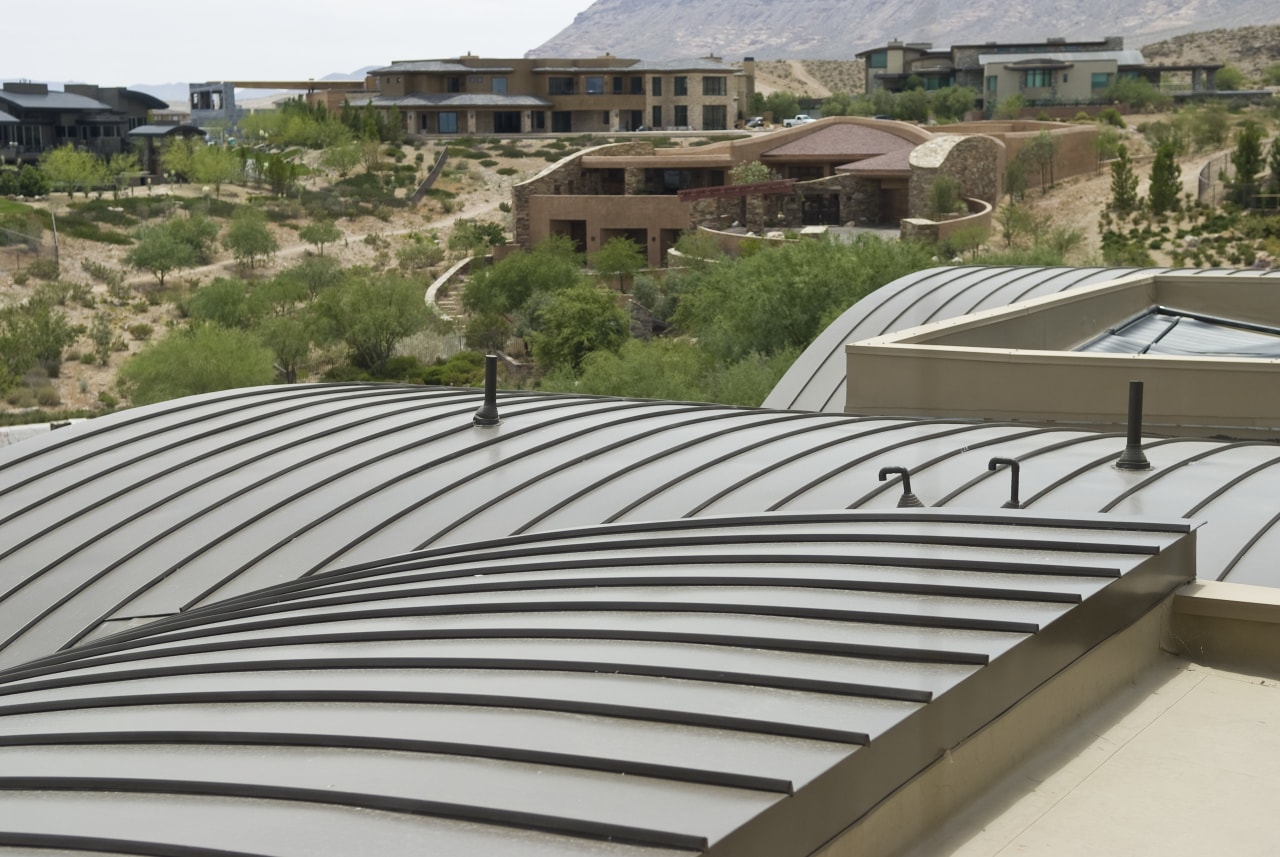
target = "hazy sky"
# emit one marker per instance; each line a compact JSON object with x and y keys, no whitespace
{"x":124,"y":42}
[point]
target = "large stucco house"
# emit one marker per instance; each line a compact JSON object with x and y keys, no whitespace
{"x":1055,"y":72}
{"x":836,"y":171}
{"x":475,"y":95}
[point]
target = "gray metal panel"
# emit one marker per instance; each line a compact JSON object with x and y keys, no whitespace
{"x":815,"y":382}
{"x":781,"y":648}
{"x":147,"y":512}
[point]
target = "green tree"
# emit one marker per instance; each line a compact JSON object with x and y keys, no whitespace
{"x":159,"y":251}
{"x":320,"y":233}
{"x":781,"y":105}
{"x":1015,"y":178}
{"x":475,"y":237}
{"x":372,"y":314}
{"x":1166,"y":181}
{"x":120,"y":168}
{"x":202,"y":359}
{"x":911,"y":105}
{"x":289,"y":337}
{"x":102,"y":337}
{"x":198,"y":232}
{"x":952,"y":102}
{"x":342,"y":158}
{"x":215,"y":165}
{"x":1009,"y":108}
{"x":224,"y":302}
{"x":1041,"y":154}
{"x":1014,"y":222}
{"x":1246,"y":161}
{"x":620,"y":256}
{"x":944,"y":196}
{"x":781,"y":297}
{"x":248,"y":237}
{"x":1138,"y":93}
{"x":1124,"y":183}
{"x":71,"y":169}
{"x":32,"y":333}
{"x":576,"y":322}
{"x":751,"y":172}
{"x":839,"y":104}
{"x":510,"y":286}
{"x":1229,"y":78}
{"x":32,"y":181}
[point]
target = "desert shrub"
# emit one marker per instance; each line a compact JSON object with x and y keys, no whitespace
{"x":43,"y":269}
{"x":507,"y":171}
{"x":1111,"y":116}
{"x":140,"y":331}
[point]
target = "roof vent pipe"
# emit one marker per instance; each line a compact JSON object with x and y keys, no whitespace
{"x":1133,"y":458}
{"x":907,"y":500}
{"x":487,"y":413}
{"x":1015,"y":470}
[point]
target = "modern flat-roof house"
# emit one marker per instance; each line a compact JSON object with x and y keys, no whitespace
{"x":341,"y":618}
{"x":475,"y":95}
{"x":1055,"y":72}
{"x":96,"y":118}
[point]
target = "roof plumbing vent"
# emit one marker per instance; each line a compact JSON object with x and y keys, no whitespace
{"x":487,"y":414}
{"x":1015,"y":470}
{"x":1133,"y":458}
{"x":907,"y":500}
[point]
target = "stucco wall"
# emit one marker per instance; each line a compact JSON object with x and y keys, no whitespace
{"x":1077,"y":152}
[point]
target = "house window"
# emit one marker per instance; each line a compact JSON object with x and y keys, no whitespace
{"x":448,"y":123}
{"x":714,"y":117}
{"x":453,"y":84}
{"x":637,"y":86}
{"x":714,"y":86}
{"x":991,"y":83}
{"x":560,"y":86}
{"x":878,"y":59}
{"x":682,"y":116}
{"x":1037,"y":78}
{"x":682,"y":86}
{"x":475,"y":80}
{"x":656,"y":86}
{"x":506,"y":121}
{"x":1099,"y":80}
{"x":561,"y":121}
{"x":657,"y":116}
{"x":604,"y":118}
{"x":595,"y":84}
{"x":617,"y":86}
{"x":498,"y":85}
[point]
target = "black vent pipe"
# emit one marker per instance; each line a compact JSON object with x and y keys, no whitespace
{"x":1015,"y":470}
{"x":1133,"y":458}
{"x":907,"y":500}
{"x":487,"y":413}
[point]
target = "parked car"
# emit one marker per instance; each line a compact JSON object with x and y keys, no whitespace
{"x":799,"y":119}
{"x":755,"y":122}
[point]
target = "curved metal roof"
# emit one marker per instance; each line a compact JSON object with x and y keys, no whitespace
{"x":750,"y":685}
{"x":144,"y":513}
{"x":815,"y":382}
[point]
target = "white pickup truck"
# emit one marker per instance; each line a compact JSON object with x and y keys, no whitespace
{"x":799,"y":119}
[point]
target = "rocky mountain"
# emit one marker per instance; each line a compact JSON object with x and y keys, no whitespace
{"x":1250,"y":49}
{"x":838,"y":29}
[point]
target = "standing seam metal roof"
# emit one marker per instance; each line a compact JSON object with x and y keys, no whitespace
{"x":815,"y":382}
{"x":164,"y":509}
{"x":673,"y":687}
